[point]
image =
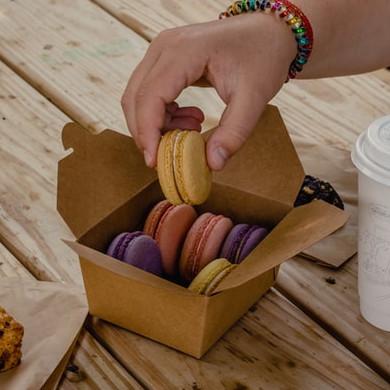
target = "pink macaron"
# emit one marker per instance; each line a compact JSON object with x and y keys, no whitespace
{"x":203,"y":244}
{"x":168,"y":225}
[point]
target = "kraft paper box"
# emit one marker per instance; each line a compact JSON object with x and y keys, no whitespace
{"x":104,"y":188}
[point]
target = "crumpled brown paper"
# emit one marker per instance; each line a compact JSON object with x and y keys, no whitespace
{"x":52,"y":315}
{"x":335,"y":166}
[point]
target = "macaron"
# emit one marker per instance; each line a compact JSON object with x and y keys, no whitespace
{"x":137,"y":249}
{"x":168,"y":225}
{"x":182,"y":168}
{"x":203,"y":244}
{"x":241,"y":240}
{"x":211,"y":276}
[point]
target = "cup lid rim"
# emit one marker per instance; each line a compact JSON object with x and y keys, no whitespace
{"x":371,"y":154}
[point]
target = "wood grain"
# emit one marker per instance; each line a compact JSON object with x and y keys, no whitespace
{"x":37,"y":128}
{"x":98,"y":368}
{"x":24,"y":44}
{"x":10,"y":266}
{"x":331,"y":111}
{"x":30,"y":147}
{"x":273,"y":346}
{"x":336,"y":306}
{"x":80,"y":64}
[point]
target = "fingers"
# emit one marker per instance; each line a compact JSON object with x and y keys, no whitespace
{"x":188,"y":118}
{"x":160,"y":87}
{"x":237,"y":122}
{"x":138,"y":75}
{"x":192,"y":112}
{"x":186,"y":123}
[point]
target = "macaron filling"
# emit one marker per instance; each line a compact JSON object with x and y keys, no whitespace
{"x":178,"y":166}
{"x":235,"y":245}
{"x":123,"y":243}
{"x":218,"y":279}
{"x":165,"y":167}
{"x":156,"y":215}
{"x":160,"y":222}
{"x":249,"y":232}
{"x":200,"y":242}
{"x":211,"y":276}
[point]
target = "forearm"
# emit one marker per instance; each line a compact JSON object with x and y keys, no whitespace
{"x":350,"y":36}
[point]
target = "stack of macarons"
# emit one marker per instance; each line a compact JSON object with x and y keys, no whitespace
{"x":176,"y":243}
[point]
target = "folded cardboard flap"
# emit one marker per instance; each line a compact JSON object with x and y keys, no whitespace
{"x":107,"y":169}
{"x":301,"y":228}
{"x":267,"y":165}
{"x":125,"y":270}
{"x":101,"y":173}
{"x":242,"y":206}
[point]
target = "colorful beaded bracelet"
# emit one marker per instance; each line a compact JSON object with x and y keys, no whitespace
{"x":293,"y":17}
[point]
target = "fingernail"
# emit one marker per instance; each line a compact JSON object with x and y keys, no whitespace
{"x":220,"y":158}
{"x":148,"y":158}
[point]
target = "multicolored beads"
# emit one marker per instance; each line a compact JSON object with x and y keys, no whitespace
{"x":293,"y":17}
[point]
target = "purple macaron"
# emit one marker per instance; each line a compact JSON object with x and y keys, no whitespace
{"x":241,"y":241}
{"x":137,"y":249}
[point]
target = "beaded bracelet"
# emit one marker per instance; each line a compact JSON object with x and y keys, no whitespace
{"x":293,"y":17}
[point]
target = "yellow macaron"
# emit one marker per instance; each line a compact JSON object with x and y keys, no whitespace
{"x":182,"y":167}
{"x":209,"y":278}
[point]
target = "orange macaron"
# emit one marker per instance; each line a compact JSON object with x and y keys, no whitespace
{"x":203,"y":244}
{"x":168,"y":225}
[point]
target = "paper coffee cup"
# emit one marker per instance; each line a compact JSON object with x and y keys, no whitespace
{"x":371,"y":156}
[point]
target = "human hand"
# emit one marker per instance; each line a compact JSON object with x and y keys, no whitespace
{"x":245,"y":58}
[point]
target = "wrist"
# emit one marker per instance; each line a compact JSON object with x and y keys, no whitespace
{"x":291,"y":16}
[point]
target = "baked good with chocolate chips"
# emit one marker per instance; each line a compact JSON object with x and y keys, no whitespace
{"x":11,"y":335}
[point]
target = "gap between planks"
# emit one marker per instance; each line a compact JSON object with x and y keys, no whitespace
{"x":37,"y":274}
{"x":37,"y":87}
{"x":138,"y":31}
{"x":118,"y":10}
{"x":332,"y":331}
{"x":16,"y":253}
{"x":93,"y":359}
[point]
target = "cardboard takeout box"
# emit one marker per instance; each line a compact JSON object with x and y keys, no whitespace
{"x":104,"y":188}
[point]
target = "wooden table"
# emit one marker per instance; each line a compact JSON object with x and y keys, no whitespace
{"x":65,"y":60}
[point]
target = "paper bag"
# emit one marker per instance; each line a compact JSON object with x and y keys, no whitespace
{"x":335,"y":166}
{"x":52,"y":315}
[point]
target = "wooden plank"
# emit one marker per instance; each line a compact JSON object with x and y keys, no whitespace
{"x":97,"y":367}
{"x":331,"y":297}
{"x":332,"y":111}
{"x":273,"y":346}
{"x":79,"y":57}
{"x":10,"y":266}
{"x":30,"y":148}
{"x":48,"y":216}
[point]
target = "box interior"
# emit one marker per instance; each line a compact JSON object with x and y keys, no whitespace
{"x":104,"y":188}
{"x":223,"y":200}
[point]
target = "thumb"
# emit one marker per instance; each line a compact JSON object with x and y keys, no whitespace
{"x":236,"y":125}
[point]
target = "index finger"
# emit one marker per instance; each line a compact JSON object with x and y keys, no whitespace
{"x":162,"y":86}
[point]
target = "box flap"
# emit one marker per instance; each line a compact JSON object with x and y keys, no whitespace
{"x":268,"y":164}
{"x":101,"y":173}
{"x":301,"y":228}
{"x":125,"y":270}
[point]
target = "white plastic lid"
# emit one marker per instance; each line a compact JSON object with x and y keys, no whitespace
{"x":371,"y":154}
